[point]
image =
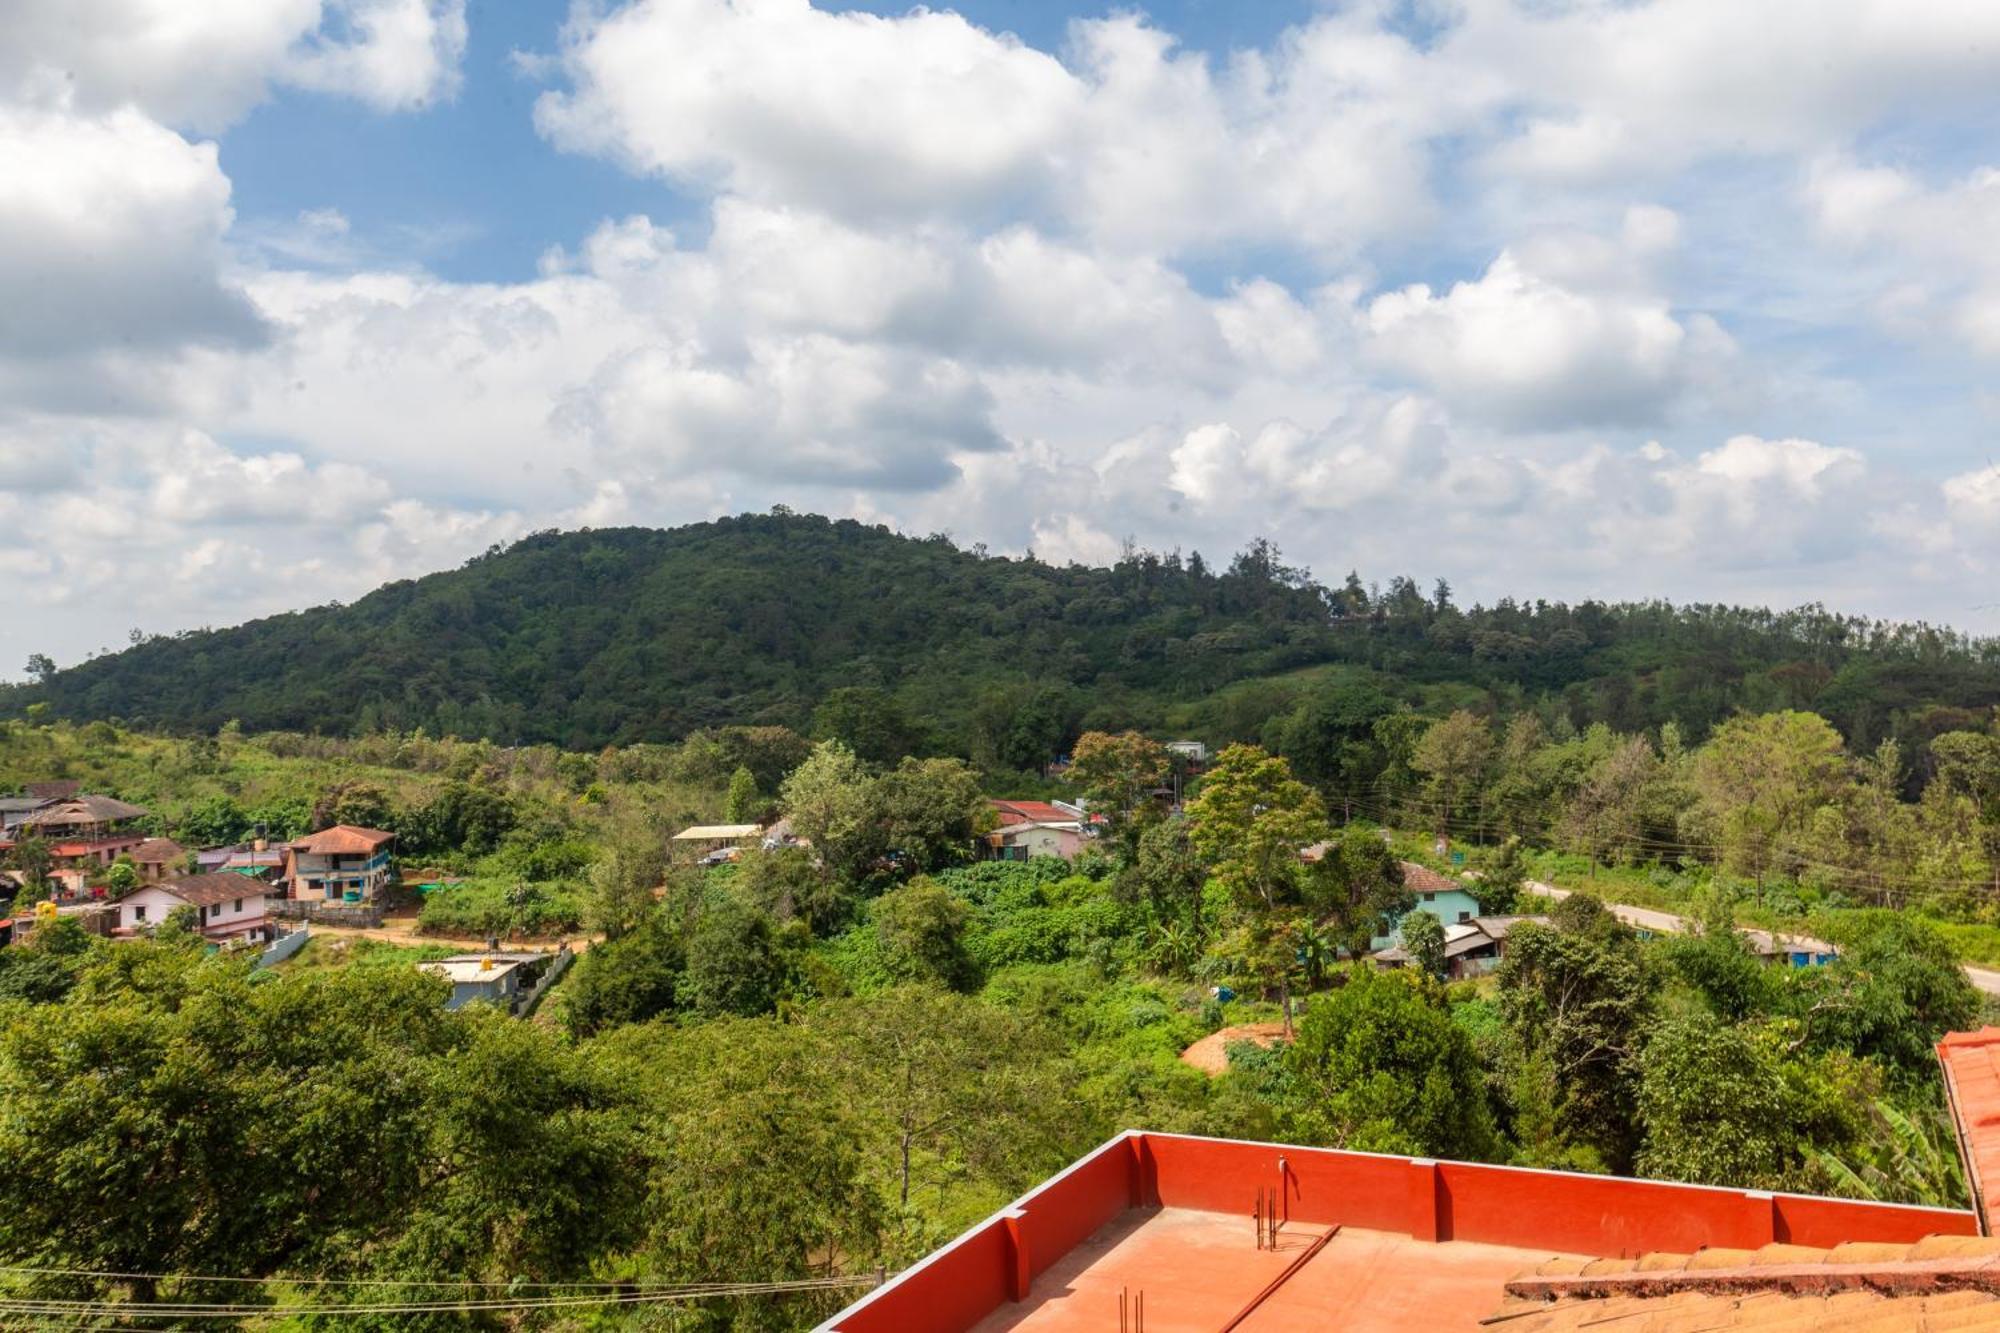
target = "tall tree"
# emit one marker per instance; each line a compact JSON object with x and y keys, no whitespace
{"x":1452,"y":755}
{"x":1117,"y":776}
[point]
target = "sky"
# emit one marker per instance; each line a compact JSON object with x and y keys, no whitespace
{"x":1548,"y":298}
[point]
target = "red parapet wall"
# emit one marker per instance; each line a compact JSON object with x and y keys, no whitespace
{"x":1542,"y":1210}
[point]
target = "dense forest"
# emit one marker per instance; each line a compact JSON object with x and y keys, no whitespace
{"x":614,"y":636}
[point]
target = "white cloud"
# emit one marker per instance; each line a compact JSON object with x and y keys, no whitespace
{"x":110,"y":233}
{"x":203,"y":63}
{"x":1948,"y":277}
{"x":1562,"y":333}
{"x":778,"y":101}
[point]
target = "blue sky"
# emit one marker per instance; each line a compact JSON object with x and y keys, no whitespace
{"x":1616,"y":298}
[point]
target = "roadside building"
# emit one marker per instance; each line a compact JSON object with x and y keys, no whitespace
{"x":228,"y":908}
{"x":345,"y":863}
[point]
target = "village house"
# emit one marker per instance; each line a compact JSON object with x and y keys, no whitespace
{"x":1471,"y":948}
{"x":157,"y":858}
{"x":1036,"y":828}
{"x":85,"y":834}
{"x":341,"y":864}
{"x":228,"y":908}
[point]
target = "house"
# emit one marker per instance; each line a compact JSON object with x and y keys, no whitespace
{"x":85,"y":834}
{"x":1471,"y":948}
{"x":489,"y":978}
{"x":1445,"y":898}
{"x":1206,"y":1234}
{"x":228,"y":908}
{"x":1025,"y":829}
{"x":1789,"y":950}
{"x":342,"y":864}
{"x":157,"y":859}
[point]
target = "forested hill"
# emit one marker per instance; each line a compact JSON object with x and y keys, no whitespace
{"x":637,"y":634}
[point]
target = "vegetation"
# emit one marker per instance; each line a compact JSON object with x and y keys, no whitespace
{"x":816,"y":1060}
{"x":623,"y":635}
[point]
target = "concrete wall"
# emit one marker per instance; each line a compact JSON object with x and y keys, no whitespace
{"x":958,"y":1285}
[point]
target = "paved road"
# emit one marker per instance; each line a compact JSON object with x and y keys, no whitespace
{"x":1647,"y":918}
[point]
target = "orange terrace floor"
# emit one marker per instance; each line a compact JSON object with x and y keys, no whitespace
{"x":1372,"y":1242}
{"x":1193,"y":1272}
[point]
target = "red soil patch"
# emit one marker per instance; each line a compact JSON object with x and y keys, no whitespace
{"x":1211,"y":1054}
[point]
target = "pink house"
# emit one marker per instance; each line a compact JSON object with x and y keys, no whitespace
{"x":227,"y":907}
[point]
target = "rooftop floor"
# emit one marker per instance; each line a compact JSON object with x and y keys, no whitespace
{"x":1199,"y":1270}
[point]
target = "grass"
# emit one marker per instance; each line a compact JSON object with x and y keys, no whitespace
{"x":341,"y":951}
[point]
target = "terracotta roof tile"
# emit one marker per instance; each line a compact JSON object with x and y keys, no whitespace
{"x":1422,"y":879}
{"x":343,"y":840}
{"x":1940,"y":1282}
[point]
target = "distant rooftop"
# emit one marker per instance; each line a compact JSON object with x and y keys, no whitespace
{"x":343,"y":840}
{"x":718,"y":832}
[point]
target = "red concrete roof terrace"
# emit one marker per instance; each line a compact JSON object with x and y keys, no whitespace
{"x":1363,"y":1241}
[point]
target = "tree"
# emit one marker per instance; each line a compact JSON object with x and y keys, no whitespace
{"x":1759,"y":780}
{"x":629,"y":979}
{"x":1250,"y":821}
{"x":41,"y":667}
{"x":1024,"y":727}
{"x":1717,"y":963}
{"x":758,"y":1164}
{"x":628,"y":871}
{"x":1452,"y":754}
{"x":947,"y":1086}
{"x":867,"y":721}
{"x":744,"y":805}
{"x":930,"y":812}
{"x":1502,"y":880}
{"x":1423,"y":940}
{"x":1117,"y":775}
{"x":1712,"y":1108}
{"x":788,"y":883}
{"x":831,"y":802}
{"x":1380,"y":1066}
{"x":736,"y":964}
{"x":1578,"y":992}
{"x":1356,"y":889}
{"x":122,"y":877}
{"x":1895,"y":989}
{"x":921,"y":929}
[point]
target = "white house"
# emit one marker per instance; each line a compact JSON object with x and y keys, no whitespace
{"x":228,"y":907}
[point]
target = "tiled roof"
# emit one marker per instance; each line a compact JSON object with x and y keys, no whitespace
{"x":206,"y":890}
{"x":155,"y":851}
{"x":60,"y":789}
{"x":84,"y":810}
{"x":1422,"y":879}
{"x":343,"y":840}
{"x":1030,"y":812}
{"x":1943,"y":1282}
{"x":1971,"y":1063}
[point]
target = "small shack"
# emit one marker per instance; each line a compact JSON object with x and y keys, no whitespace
{"x":716,"y":842}
{"x":491,"y":978}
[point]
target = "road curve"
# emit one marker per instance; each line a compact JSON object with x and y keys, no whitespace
{"x":1647,"y":918}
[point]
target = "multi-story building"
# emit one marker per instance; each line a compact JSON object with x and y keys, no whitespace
{"x":343,"y":864}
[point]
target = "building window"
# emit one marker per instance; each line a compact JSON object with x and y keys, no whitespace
{"x":138,"y":911}
{"x":238,"y":906}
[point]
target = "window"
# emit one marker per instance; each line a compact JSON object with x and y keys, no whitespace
{"x":1465,"y":916}
{"x":238,"y":906}
{"x":138,"y":911}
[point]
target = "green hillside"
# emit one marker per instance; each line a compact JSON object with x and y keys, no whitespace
{"x":620,"y":635}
